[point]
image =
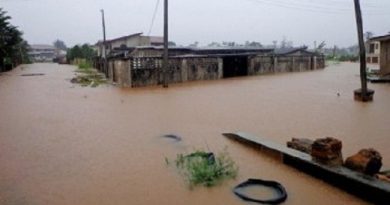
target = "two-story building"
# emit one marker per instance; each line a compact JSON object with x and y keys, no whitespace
{"x":129,"y":41}
{"x":381,"y":52}
{"x":372,"y":51}
{"x":42,"y":53}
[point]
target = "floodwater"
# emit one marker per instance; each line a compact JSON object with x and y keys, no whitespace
{"x":61,"y":144}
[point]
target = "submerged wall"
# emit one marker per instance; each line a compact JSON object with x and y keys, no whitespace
{"x":280,"y":64}
{"x":147,"y":71}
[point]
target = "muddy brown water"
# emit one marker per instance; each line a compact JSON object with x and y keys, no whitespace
{"x":63,"y":144}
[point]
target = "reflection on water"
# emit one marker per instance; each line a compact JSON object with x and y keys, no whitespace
{"x":63,"y":144}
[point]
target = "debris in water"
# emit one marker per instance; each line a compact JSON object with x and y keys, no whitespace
{"x":368,"y":161}
{"x":276,"y":186}
{"x":32,"y":74}
{"x":174,"y":137}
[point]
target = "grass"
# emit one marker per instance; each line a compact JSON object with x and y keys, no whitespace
{"x":202,"y":168}
{"x":89,"y":77}
{"x":332,"y":62}
{"x":85,"y":65}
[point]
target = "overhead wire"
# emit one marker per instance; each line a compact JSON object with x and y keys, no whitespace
{"x":320,"y":8}
{"x":154,"y":17}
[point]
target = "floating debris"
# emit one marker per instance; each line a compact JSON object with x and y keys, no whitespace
{"x":32,"y":74}
{"x":276,"y":186}
{"x":173,"y":137}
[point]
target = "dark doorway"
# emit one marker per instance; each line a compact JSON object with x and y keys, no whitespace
{"x":235,"y":66}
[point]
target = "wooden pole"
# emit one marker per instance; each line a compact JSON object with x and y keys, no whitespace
{"x":363,"y":94}
{"x":165,"y":60}
{"x":104,"y":44}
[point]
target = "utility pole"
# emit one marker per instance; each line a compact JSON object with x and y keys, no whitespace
{"x":362,"y":94}
{"x":165,"y":60}
{"x":104,"y":45}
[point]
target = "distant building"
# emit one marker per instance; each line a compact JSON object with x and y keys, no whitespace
{"x":129,"y":41}
{"x":381,"y":48}
{"x":42,"y":53}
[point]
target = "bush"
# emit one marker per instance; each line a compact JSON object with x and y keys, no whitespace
{"x":343,"y":58}
{"x":85,"y":65}
{"x":201,"y":168}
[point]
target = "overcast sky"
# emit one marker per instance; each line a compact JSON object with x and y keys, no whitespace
{"x":301,"y":21}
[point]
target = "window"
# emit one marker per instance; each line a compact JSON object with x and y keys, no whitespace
{"x":372,"y":48}
{"x":377,"y":46}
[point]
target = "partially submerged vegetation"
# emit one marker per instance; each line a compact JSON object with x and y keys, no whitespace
{"x":342,"y":58}
{"x":87,"y":76}
{"x":206,"y":169}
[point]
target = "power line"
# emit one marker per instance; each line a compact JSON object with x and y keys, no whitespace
{"x":154,"y":17}
{"x":315,"y":8}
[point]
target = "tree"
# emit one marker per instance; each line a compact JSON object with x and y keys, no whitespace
{"x":321,"y":46}
{"x":214,"y":44}
{"x":368,"y":35}
{"x":229,"y":44}
{"x":13,"y":49}
{"x":253,"y":44}
{"x":60,"y":45}
{"x":81,"y":52}
{"x":194,"y":45}
{"x":171,"y":44}
{"x":275,"y":43}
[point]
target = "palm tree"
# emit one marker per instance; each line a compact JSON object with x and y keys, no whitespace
{"x":13,"y":49}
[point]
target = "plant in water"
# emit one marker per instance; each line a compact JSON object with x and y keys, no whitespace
{"x":88,"y":77}
{"x":202,"y":168}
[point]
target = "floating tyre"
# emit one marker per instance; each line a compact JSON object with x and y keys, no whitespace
{"x":173,"y":137}
{"x":277,"y":187}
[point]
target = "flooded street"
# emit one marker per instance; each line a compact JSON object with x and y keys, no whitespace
{"x":62,"y":144}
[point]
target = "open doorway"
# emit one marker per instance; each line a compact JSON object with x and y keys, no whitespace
{"x":234,"y":66}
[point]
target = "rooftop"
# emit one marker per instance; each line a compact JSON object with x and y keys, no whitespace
{"x":42,"y":47}
{"x":381,"y":38}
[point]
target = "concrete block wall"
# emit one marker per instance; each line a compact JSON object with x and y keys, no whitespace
{"x":203,"y":69}
{"x":140,"y":72}
{"x":260,"y":65}
{"x":279,"y":64}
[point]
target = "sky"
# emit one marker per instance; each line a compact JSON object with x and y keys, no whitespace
{"x":205,"y":21}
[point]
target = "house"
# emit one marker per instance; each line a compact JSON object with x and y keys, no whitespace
{"x":382,"y":50}
{"x":129,"y":41}
{"x":42,"y":53}
{"x":372,"y":51}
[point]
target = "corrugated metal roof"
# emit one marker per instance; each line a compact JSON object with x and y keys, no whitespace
{"x":286,"y":51}
{"x":381,"y":38}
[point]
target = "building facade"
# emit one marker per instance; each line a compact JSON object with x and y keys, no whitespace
{"x":383,"y":53}
{"x":127,"y":42}
{"x":143,"y":66}
{"x":373,"y":51}
{"x":42,"y":53}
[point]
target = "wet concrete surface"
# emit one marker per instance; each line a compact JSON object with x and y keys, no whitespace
{"x":65,"y":144}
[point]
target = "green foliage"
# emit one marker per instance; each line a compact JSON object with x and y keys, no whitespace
{"x":12,"y":46}
{"x":200,"y":168}
{"x":89,"y":77}
{"x":343,"y":58}
{"x":81,"y":52}
{"x":84,"y":64}
{"x":60,"y":45}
